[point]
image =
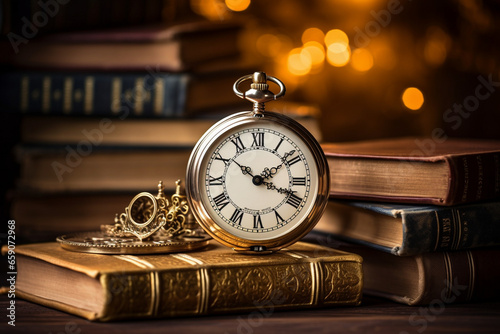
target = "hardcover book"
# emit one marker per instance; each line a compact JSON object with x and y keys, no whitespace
{"x":114,"y":132}
{"x":176,"y":47}
{"x":117,"y":94}
{"x":89,"y":14}
{"x":88,"y":168}
{"x":440,"y":277}
{"x":89,"y":154}
{"x":415,"y":170}
{"x":404,"y":229}
{"x":214,"y":281}
{"x":133,"y":132}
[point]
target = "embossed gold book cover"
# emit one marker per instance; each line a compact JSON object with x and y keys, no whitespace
{"x":216,"y":280}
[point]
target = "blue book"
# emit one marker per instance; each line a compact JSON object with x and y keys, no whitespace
{"x":117,"y":94}
{"x":406,"y":230}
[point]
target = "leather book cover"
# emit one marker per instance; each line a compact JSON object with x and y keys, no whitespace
{"x":172,"y":48}
{"x":407,"y":230}
{"x":416,"y":170}
{"x":216,"y":280}
{"x":448,"y":277}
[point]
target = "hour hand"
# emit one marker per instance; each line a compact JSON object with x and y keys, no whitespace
{"x":244,"y":169}
{"x":270,"y":172}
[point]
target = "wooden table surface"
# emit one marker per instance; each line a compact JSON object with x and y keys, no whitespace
{"x":373,"y":316}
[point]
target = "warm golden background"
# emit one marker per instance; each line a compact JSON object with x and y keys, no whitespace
{"x":378,"y":68}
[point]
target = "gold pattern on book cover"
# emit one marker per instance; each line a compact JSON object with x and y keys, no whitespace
{"x":88,"y":103}
{"x":184,"y":288}
{"x":342,"y":282}
{"x":129,"y":294}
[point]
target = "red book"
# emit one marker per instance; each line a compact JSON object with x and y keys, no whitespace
{"x":415,"y":170}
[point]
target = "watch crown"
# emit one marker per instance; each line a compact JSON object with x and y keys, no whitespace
{"x":259,"y":81}
{"x":259,"y":92}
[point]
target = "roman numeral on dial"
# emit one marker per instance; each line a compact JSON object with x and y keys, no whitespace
{"x":238,"y":143}
{"x":219,"y":157}
{"x":257,"y":222}
{"x":215,"y":181}
{"x":279,"y":144}
{"x":258,"y":139}
{"x":221,"y":201}
{"x":293,"y":160}
{"x":237,"y":217}
{"x":279,"y":219}
{"x":294,"y":200}
{"x":299,"y":181}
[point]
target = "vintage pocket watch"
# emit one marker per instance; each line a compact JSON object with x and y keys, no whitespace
{"x":257,"y":181}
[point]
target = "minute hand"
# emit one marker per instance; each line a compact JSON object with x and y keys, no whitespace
{"x":271,"y":186}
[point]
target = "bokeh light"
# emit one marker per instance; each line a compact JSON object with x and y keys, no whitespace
{"x":435,"y":52}
{"x":299,"y":63}
{"x":237,"y":5}
{"x":338,"y":51}
{"x":413,"y":98}
{"x":436,"y":46}
{"x":338,"y":55}
{"x":211,"y":9}
{"x":313,"y":35}
{"x":336,"y":38}
{"x":361,"y":60}
{"x":316,"y":52}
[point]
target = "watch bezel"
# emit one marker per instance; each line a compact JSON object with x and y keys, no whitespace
{"x":194,"y":190}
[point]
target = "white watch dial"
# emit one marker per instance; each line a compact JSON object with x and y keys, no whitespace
{"x":260,"y":181}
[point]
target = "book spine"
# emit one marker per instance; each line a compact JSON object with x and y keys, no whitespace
{"x":450,"y":228}
{"x":99,"y":94}
{"x":474,"y":178}
{"x":219,"y":290}
{"x":437,"y":278}
{"x":457,"y":277}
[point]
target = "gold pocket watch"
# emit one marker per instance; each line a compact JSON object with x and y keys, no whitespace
{"x":257,"y":181}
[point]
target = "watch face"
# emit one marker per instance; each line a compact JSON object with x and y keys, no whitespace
{"x":258,"y":180}
{"x":142,"y":209}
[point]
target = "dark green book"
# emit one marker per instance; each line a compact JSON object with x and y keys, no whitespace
{"x":410,"y":229}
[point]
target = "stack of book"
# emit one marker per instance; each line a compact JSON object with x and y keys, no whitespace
{"x":68,"y":184}
{"x":425,"y":216}
{"x":108,"y":110}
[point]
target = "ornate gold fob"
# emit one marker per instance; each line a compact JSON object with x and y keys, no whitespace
{"x":147,"y":214}
{"x":150,"y":224}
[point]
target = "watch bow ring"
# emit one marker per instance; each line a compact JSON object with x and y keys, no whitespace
{"x":259,"y":90}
